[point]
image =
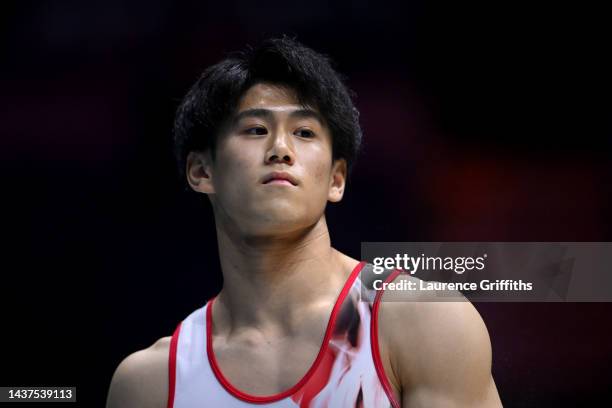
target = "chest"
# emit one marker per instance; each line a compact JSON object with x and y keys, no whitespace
{"x":266,"y":367}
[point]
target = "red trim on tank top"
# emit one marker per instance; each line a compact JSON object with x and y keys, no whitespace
{"x":272,"y":398}
{"x":380,"y":369}
{"x":172,"y":366}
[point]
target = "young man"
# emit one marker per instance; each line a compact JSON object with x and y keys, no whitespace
{"x":269,"y":136}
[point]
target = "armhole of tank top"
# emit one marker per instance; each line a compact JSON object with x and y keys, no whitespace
{"x":380,"y":369}
{"x":172,"y":365}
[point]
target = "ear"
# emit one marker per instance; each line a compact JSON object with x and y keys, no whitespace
{"x":198,"y":172}
{"x":337,"y":180}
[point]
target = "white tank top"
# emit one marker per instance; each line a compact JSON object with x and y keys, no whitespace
{"x":347,"y":371}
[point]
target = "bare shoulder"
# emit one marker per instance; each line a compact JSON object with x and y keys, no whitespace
{"x":432,"y":312}
{"x":438,"y":346}
{"x":141,"y":379}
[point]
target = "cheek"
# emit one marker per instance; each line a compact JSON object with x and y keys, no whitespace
{"x":233,"y":173}
{"x":320,"y":178}
{"x":235,"y":160}
{"x":322,"y":174}
{"x":236,"y":181}
{"x":317,"y":163}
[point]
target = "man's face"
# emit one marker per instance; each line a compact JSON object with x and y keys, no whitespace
{"x":273,"y":170}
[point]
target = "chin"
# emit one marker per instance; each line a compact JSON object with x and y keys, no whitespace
{"x":275,"y":223}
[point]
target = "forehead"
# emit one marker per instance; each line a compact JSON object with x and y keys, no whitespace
{"x":270,"y":96}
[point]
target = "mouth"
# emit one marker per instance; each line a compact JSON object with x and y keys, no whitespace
{"x":280,"y":178}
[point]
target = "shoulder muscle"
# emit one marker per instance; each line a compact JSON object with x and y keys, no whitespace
{"x":141,"y":379}
{"x":440,"y":351}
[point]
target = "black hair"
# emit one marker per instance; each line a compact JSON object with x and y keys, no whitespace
{"x":214,"y":96}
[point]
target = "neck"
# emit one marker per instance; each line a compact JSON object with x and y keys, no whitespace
{"x":270,"y":282}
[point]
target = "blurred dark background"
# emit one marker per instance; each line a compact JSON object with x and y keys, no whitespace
{"x":483,"y":121}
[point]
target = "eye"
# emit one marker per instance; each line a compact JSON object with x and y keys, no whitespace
{"x":256,"y":130}
{"x":307,"y":133}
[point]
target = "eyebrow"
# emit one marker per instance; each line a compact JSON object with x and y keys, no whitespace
{"x":269,"y":114}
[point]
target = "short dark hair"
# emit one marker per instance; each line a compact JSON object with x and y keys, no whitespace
{"x":214,"y":96}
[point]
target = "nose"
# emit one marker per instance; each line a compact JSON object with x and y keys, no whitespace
{"x":280,"y":151}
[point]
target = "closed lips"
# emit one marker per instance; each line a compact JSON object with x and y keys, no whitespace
{"x":279,"y":176}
